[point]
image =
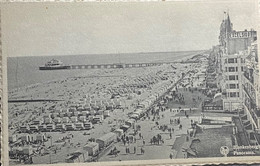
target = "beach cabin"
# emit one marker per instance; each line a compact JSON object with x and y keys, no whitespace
{"x":65,"y":110}
{"x":98,"y":119}
{"x":99,"y":104}
{"x":37,"y":122}
{"x":80,"y":109}
{"x":119,"y":132}
{"x":79,"y":126}
{"x":106,"y":113}
{"x":12,"y":138}
{"x":34,"y":128}
{"x":118,"y":103}
{"x":60,"y":127}
{"x":88,"y":126}
{"x":14,"y":151}
{"x":100,"y":112}
{"x":63,"y":114}
{"x":46,"y":116}
{"x":76,"y":113}
{"x":106,"y":140}
{"x":55,"y":114}
{"x":57,"y":120}
{"x":91,"y":117}
{"x":42,"y":127}
{"x":72,"y":109}
{"x":76,"y":157}
{"x":47,"y":120}
{"x":69,"y":114}
{"x":40,"y":137}
{"x":92,"y":148}
{"x":27,"y":150}
{"x":50,"y":127}
{"x":88,"y":108}
{"x":82,"y":118}
{"x":103,"y":107}
{"x":85,"y":113}
{"x":74,"y":119}
{"x":65,"y":120}
{"x":25,"y":129}
{"x":92,"y":112}
{"x":106,"y":103}
{"x":25,"y":137}
{"x":70,"y":127}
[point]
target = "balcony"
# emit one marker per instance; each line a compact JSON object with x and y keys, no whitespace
{"x":252,"y":99}
{"x":249,"y":77}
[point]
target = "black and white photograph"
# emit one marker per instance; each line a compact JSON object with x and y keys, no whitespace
{"x":131,"y":81}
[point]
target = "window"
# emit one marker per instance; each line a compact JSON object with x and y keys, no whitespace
{"x":242,"y":68}
{"x":237,"y":94}
{"x":232,"y":60}
{"x":236,"y":68}
{"x":226,"y":69}
{"x":231,"y":69}
{"x":233,"y":94}
{"x":237,"y":86}
{"x":233,"y":77}
{"x":232,"y":86}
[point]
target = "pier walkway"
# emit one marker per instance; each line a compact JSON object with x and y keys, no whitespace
{"x":121,"y":65}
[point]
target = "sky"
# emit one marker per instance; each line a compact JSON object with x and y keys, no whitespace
{"x":32,"y":29}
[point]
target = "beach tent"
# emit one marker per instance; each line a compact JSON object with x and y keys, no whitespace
{"x":134,"y":116}
{"x":119,"y":132}
{"x":124,"y":127}
{"x":130,"y":122}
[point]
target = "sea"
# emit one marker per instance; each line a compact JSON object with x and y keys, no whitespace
{"x":24,"y":71}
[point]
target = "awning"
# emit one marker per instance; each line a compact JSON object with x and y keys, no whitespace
{"x":217,"y":95}
{"x":124,"y":127}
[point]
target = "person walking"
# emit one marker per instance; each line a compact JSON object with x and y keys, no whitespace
{"x":171,"y":156}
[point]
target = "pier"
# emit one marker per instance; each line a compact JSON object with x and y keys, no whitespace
{"x":121,"y":65}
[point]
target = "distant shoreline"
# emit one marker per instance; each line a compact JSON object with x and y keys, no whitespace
{"x":183,"y":59}
{"x":127,"y":53}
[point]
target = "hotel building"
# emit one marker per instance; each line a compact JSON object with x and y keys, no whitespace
{"x":231,"y":63}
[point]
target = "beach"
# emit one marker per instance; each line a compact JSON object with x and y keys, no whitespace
{"x":162,"y":89}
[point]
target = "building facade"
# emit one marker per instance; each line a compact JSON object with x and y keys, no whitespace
{"x":251,"y":90}
{"x":233,"y":50}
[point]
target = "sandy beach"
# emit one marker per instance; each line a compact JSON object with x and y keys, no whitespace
{"x":124,"y":90}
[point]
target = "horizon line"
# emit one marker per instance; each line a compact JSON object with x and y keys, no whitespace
{"x":109,"y":53}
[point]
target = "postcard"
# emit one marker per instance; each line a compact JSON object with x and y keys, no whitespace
{"x":130,"y":83}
